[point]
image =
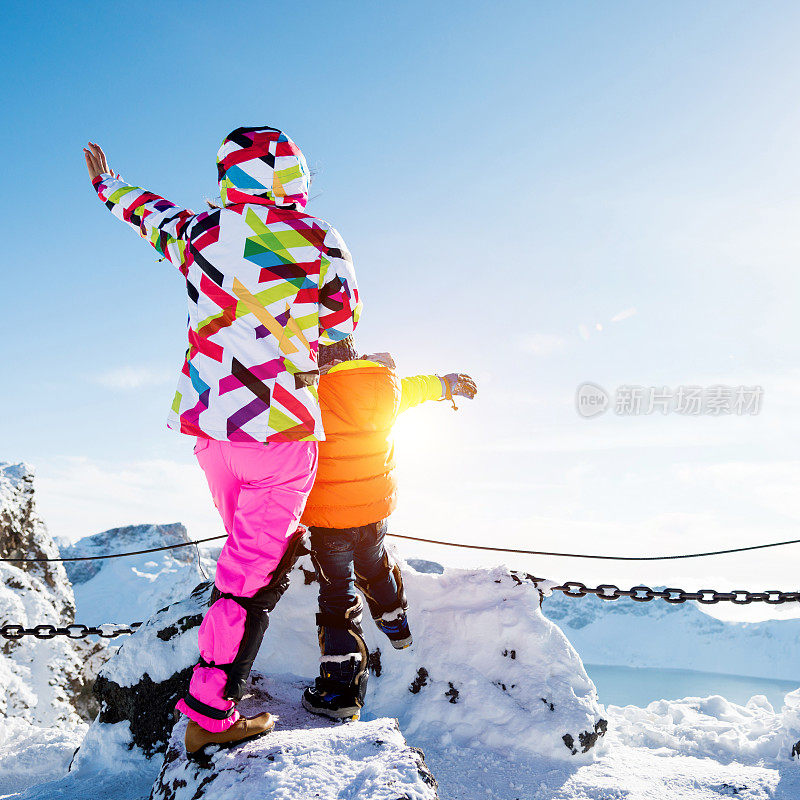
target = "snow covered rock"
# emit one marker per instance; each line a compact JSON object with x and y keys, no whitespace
{"x":305,"y":756}
{"x":486,"y":668}
{"x":131,"y":588}
{"x":714,"y":728}
{"x":40,"y":680}
{"x":24,"y":535}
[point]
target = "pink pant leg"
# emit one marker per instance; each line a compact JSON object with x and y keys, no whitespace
{"x":260,"y":492}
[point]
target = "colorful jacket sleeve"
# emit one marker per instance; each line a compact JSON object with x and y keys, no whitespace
{"x":420,"y":389}
{"x":339,"y":306}
{"x":162,"y":223}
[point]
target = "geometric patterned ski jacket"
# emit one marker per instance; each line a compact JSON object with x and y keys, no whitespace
{"x":266,"y":285}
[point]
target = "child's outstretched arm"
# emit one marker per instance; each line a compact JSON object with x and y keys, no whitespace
{"x":422,"y":388}
{"x":162,"y":223}
{"x":339,"y":306}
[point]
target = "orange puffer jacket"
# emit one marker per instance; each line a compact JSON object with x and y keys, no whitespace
{"x":360,"y":401}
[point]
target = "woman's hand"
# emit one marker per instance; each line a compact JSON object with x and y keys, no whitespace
{"x":96,"y":161}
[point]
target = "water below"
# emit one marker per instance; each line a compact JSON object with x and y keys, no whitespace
{"x":638,"y":686}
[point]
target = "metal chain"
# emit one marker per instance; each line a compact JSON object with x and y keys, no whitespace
{"x":73,"y":631}
{"x":708,"y":597}
{"x":644,"y":594}
{"x":605,"y":591}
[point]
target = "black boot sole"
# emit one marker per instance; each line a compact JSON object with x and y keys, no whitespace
{"x":348,"y":712}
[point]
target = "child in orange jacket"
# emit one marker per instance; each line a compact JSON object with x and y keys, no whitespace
{"x":354,"y":493}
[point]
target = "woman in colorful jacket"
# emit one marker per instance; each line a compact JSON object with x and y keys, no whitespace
{"x":266,"y":285}
{"x":354,"y":493}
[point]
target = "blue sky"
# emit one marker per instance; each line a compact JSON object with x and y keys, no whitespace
{"x":508,"y":177}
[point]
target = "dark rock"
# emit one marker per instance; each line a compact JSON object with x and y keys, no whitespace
{"x":588,"y":739}
{"x":148,"y":706}
{"x":24,"y":535}
{"x":375,"y":666}
{"x":179,"y":627}
{"x":420,"y":681}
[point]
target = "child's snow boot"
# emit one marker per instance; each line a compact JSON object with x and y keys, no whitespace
{"x":392,"y":619}
{"x":394,"y":624}
{"x":339,"y":691}
{"x":198,"y":738}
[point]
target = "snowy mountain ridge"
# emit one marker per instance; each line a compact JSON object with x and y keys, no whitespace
{"x":131,"y":588}
{"x":659,"y":634}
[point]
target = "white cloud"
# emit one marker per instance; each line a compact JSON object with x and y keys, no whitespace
{"x":78,"y":496}
{"x":544,"y":344}
{"x":124,"y":378}
{"x":626,"y":313}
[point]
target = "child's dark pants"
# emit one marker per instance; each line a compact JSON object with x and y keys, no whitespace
{"x":344,"y":557}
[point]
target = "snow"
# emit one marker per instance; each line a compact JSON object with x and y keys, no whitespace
{"x":305,"y":756}
{"x":31,"y":754}
{"x":651,"y":754}
{"x":104,"y":768}
{"x":26,"y":536}
{"x":490,"y":743}
{"x":693,"y":749}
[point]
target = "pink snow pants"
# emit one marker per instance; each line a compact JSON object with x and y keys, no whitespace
{"x":260,"y":491}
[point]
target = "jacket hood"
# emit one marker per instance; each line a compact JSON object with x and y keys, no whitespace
{"x":262,"y":165}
